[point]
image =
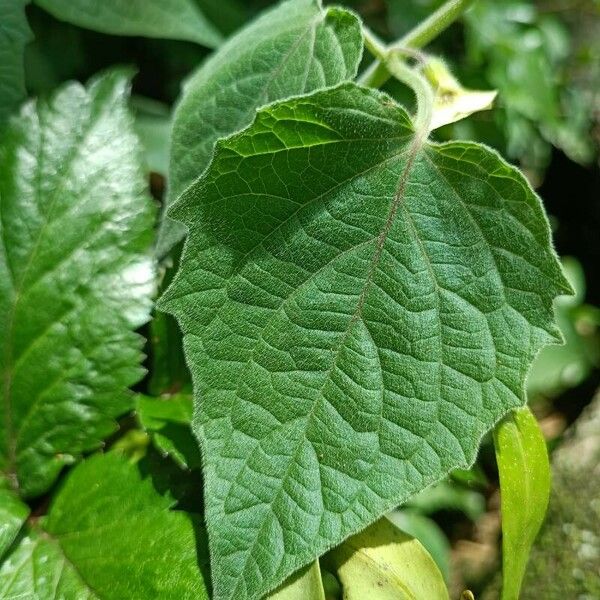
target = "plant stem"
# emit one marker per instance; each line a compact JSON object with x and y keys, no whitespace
{"x":373,"y":44}
{"x":421,"y":88}
{"x":378,"y":73}
{"x":433,"y":25}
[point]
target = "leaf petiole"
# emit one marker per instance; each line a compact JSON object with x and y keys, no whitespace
{"x":421,"y":88}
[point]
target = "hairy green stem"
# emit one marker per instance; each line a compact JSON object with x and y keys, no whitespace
{"x":421,"y":88}
{"x":373,"y":44}
{"x":378,"y":73}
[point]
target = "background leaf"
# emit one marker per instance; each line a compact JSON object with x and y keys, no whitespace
{"x":76,"y":277}
{"x":13,"y":513}
{"x":170,"y":19}
{"x":358,"y":311}
{"x":107,"y":537}
{"x":294,"y":48}
{"x":14,"y":35}
{"x":384,"y":563}
{"x":557,"y":368}
{"x":168,"y":420}
{"x":524,"y":471}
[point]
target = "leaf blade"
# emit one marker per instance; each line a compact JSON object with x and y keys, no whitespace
{"x":105,"y":537}
{"x":525,"y":483}
{"x":350,"y":339}
{"x":77,"y":277}
{"x":14,"y":35}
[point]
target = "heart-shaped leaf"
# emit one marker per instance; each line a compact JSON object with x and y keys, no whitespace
{"x":359,"y":309}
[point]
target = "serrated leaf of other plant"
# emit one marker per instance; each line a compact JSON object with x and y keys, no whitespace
{"x":76,"y":278}
{"x":106,"y":538}
{"x":296,"y":47}
{"x":14,"y":35}
{"x":170,"y":19}
{"x":525,"y":483}
{"x":358,"y":311}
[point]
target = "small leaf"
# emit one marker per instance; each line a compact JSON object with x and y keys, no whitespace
{"x":168,"y":419}
{"x":304,"y":585}
{"x":106,"y":537}
{"x":76,"y":277}
{"x":169,"y":19}
{"x":453,"y":102}
{"x":294,"y":48}
{"x":358,"y":311}
{"x":524,"y":492}
{"x":384,"y":563}
{"x":12,"y":516}
{"x":14,"y":35}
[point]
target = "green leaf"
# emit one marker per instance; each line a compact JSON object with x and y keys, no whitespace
{"x":167,"y":19}
{"x":12,"y":516}
{"x":384,"y":563}
{"x":168,"y":420}
{"x":14,"y":35}
{"x":76,"y":277}
{"x":524,"y":471}
{"x":107,"y":537}
{"x":294,"y":48}
{"x":306,"y":584}
{"x":448,"y":495}
{"x":358,"y":311}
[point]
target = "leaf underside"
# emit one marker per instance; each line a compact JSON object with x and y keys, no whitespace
{"x":76,"y":277}
{"x":358,"y":311}
{"x":105,"y":538}
{"x":384,"y":563}
{"x":294,"y":48}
